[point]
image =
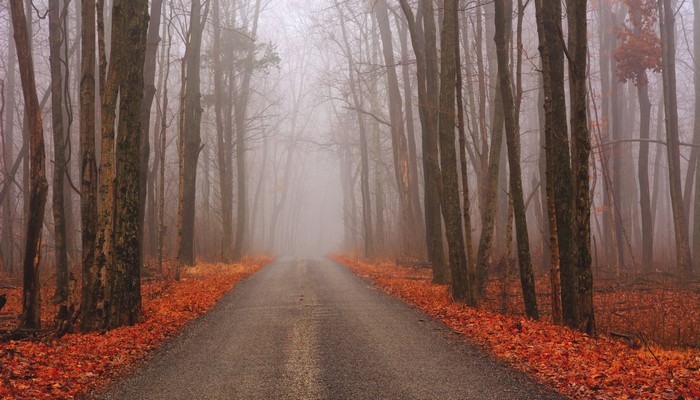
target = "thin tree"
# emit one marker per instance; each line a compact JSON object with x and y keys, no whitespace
{"x":56,"y":41}
{"x":580,"y":157}
{"x":502,"y":20}
{"x":461,"y":287}
{"x":668,"y":46}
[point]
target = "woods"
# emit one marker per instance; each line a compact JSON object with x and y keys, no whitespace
{"x":544,"y":152}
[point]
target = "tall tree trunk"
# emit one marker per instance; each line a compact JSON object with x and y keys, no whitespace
{"x":558,"y":163}
{"x":398,"y":136}
{"x":696,"y":221}
{"x":149,"y":76}
{"x":241,"y":108}
{"x":31,"y":295}
{"x":56,"y":39}
{"x":191,"y":138}
{"x":580,"y":157}
{"x":129,"y":27}
{"x":8,"y":157}
{"x":461,"y":287}
{"x":431,"y":162}
{"x":502,"y":22}
{"x":668,"y":45}
{"x":92,"y":286}
{"x":163,"y":131}
{"x":223,"y":139}
{"x":410,"y":132}
{"x":364,"y":157}
{"x":643,"y":174}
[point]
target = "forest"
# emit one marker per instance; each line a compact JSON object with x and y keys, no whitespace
{"x":524,"y":164}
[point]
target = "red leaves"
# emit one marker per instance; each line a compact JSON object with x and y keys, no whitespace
{"x":79,"y":363}
{"x":569,"y":361}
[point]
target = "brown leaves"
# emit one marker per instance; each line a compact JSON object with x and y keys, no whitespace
{"x":569,"y":361}
{"x":79,"y":363}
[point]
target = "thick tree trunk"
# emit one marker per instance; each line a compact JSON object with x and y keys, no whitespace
{"x":558,"y":162}
{"x":668,"y":45}
{"x":56,"y":38}
{"x":31,"y":296}
{"x":504,"y":8}
{"x":461,"y":288}
{"x":92,"y":286}
{"x":580,"y":157}
{"x":129,"y":27}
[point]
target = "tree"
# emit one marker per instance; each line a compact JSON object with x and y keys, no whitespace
{"x":461,"y":287}
{"x":639,"y":51}
{"x":668,"y":46}
{"x":92,"y":292}
{"x":190,"y":138}
{"x":559,"y":174}
{"x":426,"y":71}
{"x":580,"y":157}
{"x":527,"y":278}
{"x":696,"y":53}
{"x":31,"y":296}
{"x":56,"y":39}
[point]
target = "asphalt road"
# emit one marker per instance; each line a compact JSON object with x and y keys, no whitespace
{"x":310,"y":329}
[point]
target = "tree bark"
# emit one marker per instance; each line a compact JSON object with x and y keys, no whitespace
{"x":56,"y":39}
{"x":92,"y":286}
{"x":548,"y":15}
{"x":461,"y":287}
{"x":31,"y":295}
{"x":527,"y":278}
{"x":580,"y":157}
{"x":190,"y":146}
{"x":668,"y":45}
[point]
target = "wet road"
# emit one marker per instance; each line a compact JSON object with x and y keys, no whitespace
{"x":310,"y":329}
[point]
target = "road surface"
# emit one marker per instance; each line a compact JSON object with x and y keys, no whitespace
{"x":310,"y":329}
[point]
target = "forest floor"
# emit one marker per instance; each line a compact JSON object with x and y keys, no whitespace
{"x":571,"y":362}
{"x":76,"y":364}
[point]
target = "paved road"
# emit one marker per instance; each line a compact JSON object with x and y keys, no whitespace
{"x":310,"y":329}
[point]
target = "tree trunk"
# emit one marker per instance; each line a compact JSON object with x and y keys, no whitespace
{"x":92,"y":286}
{"x":56,"y":38}
{"x":558,"y":162}
{"x":129,"y":27}
{"x":431,"y":161}
{"x":149,"y":76}
{"x":696,"y":220}
{"x":398,"y":136}
{"x":364,"y":157}
{"x":8,"y":156}
{"x":643,"y":174}
{"x":241,"y":108}
{"x":31,"y":295}
{"x":461,"y":287}
{"x":502,"y":37}
{"x":668,"y":45}
{"x":580,"y":157}
{"x":191,"y":138}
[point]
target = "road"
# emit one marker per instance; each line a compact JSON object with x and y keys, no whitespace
{"x":310,"y":329}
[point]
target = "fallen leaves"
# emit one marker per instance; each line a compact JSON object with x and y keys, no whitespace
{"x":569,"y":361}
{"x":78,"y":363}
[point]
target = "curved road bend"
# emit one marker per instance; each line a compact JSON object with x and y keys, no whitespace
{"x":310,"y":329}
